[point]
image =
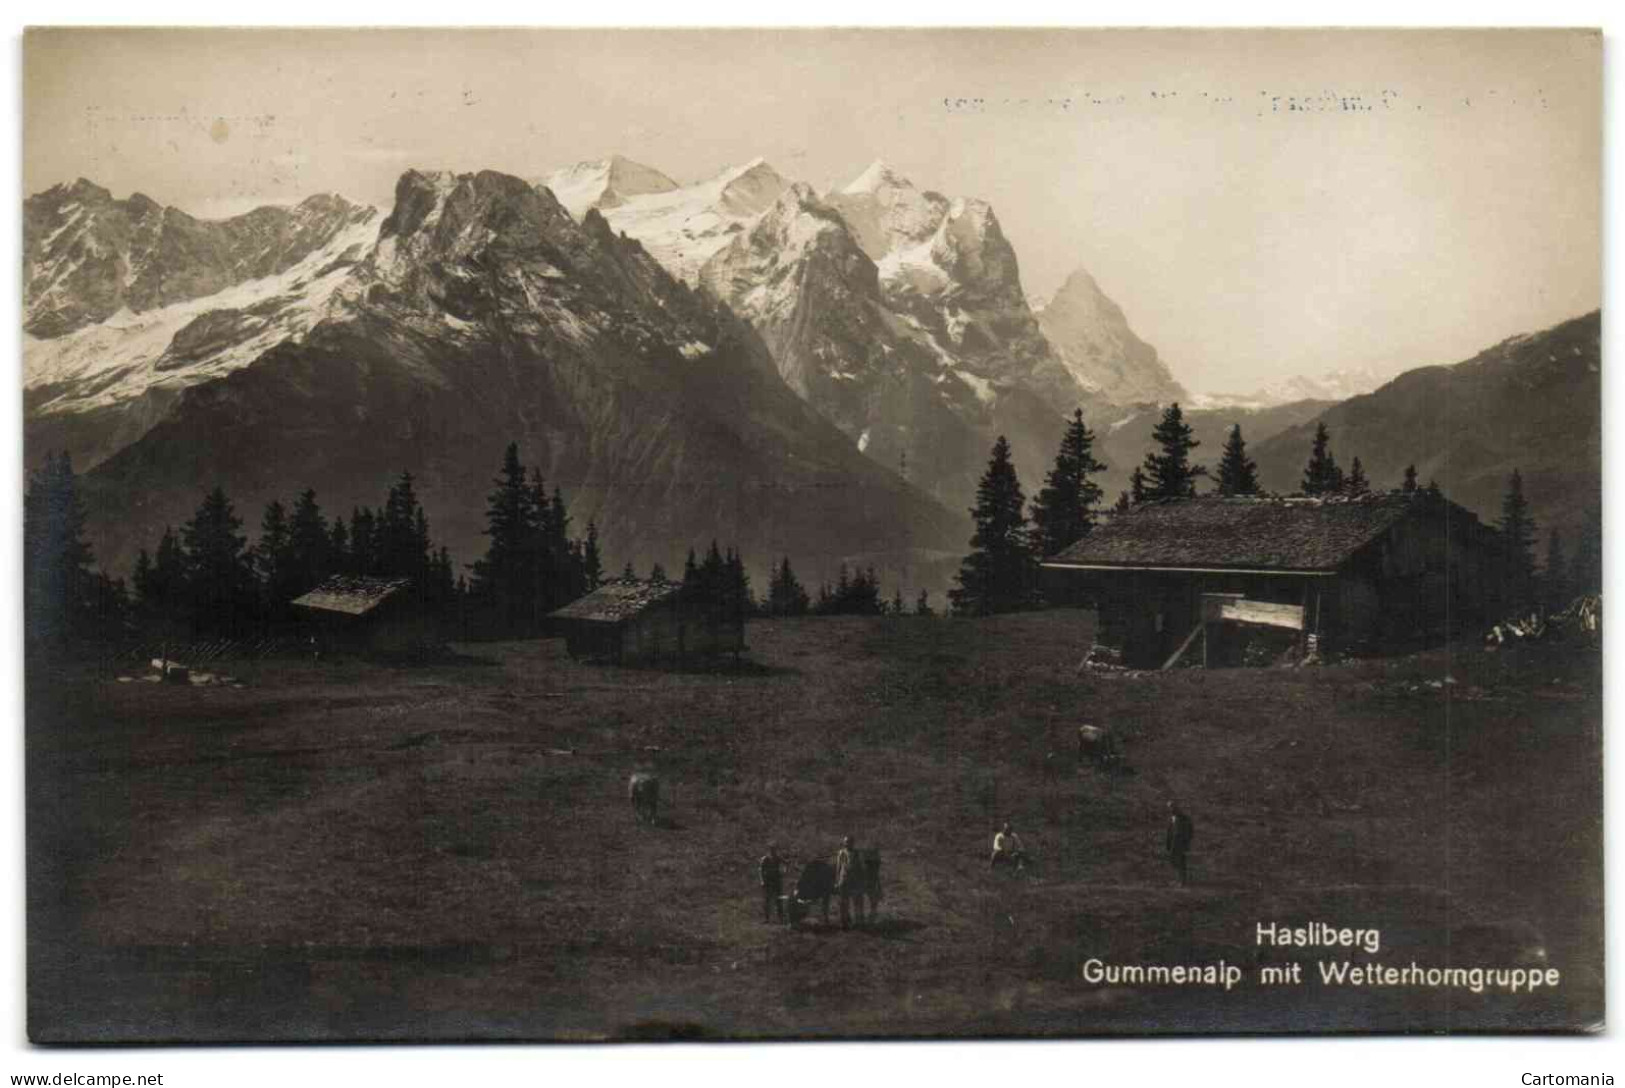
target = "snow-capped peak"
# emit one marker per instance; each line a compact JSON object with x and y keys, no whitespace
{"x":876,"y":176}
{"x":682,"y":227}
{"x":604,"y":183}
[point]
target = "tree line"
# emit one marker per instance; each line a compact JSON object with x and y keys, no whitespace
{"x":1001,"y":571}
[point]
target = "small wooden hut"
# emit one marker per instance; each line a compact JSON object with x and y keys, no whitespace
{"x":629,"y":620}
{"x":355,"y":614}
{"x":1368,"y":571}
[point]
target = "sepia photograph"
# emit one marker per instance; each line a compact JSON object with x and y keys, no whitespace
{"x":750,"y":535}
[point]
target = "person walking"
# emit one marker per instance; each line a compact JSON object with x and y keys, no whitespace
{"x":849,"y":881}
{"x":1007,"y":849}
{"x":770,"y":874}
{"x":1177,"y":840}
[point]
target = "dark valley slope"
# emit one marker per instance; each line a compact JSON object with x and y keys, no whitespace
{"x":1533,"y":403}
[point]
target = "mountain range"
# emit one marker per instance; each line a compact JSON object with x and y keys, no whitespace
{"x":802,"y":373}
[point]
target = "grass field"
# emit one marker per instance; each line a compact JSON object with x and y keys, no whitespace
{"x":352,"y":850}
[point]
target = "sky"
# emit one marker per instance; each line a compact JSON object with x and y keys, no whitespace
{"x":1261,"y":203}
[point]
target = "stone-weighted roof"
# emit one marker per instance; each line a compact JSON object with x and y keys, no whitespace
{"x":617,"y":601}
{"x":1287,"y":533}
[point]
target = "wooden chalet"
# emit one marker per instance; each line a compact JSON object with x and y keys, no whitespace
{"x":628,"y":620}
{"x":1353,"y":572}
{"x":355,"y":614}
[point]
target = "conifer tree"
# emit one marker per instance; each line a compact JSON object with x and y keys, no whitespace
{"x":657,"y":573}
{"x":1586,"y":567}
{"x":363,"y":541}
{"x":161,"y":587}
{"x":1238,"y":473}
{"x":340,"y":559}
{"x":922,"y":604}
{"x":273,"y":561}
{"x":1000,"y":573}
{"x":221,"y":588}
{"x":785,"y":595}
{"x":1122,"y":503}
{"x":1321,"y":476}
{"x":629,"y":574}
{"x":1356,"y":484}
{"x":310,"y":545}
{"x":1168,"y":472}
{"x":1518,"y":535}
{"x":1064,"y":511}
{"x":1136,"y":486}
{"x":897,"y":601}
{"x":58,"y":586}
{"x":504,"y":579}
{"x":740,"y":602}
{"x":1409,"y":486}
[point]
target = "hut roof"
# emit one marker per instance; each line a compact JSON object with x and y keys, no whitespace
{"x":352,"y":595}
{"x":618,"y":601}
{"x":1270,"y":533}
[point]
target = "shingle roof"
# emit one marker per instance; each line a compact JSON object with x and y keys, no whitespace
{"x":1288,"y":533}
{"x":618,"y":600}
{"x":352,"y":595}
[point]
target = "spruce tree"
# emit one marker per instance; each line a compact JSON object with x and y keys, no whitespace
{"x":1000,"y":573}
{"x":504,"y":579}
{"x":1409,"y":486}
{"x":1238,"y":473}
{"x":1356,"y":484}
{"x":922,"y":604}
{"x":309,"y":543}
{"x":273,"y":561}
{"x":364,"y":541}
{"x":1518,"y":535}
{"x":897,"y":601}
{"x":221,"y":588}
{"x":1064,"y":511}
{"x":592,"y":560}
{"x":58,"y":587}
{"x":1123,"y":502}
{"x":161,"y":588}
{"x":341,"y":560}
{"x":1137,"y":489}
{"x":1586,"y":567}
{"x":785,"y":595}
{"x":1321,"y":476}
{"x":741,"y":602}
{"x":1169,"y":474}
{"x":629,"y":574}
{"x":657,"y":573}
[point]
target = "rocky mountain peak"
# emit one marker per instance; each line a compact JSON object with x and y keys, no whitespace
{"x":87,"y":256}
{"x":875,"y":177}
{"x":1092,"y":336}
{"x":605,"y":183}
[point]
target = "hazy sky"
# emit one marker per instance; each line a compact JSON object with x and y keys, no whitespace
{"x":1260,"y":203}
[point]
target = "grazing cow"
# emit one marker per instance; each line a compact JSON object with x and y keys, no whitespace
{"x":1098,"y":746}
{"x":816,"y":883}
{"x":644,"y":789}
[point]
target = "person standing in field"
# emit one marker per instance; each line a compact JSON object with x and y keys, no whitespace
{"x":849,"y":881}
{"x":1007,"y":849}
{"x":1177,"y":840}
{"x":770,"y":873}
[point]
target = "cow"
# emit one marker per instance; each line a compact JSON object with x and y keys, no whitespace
{"x":1098,"y":746}
{"x":816,"y":883}
{"x":644,"y":790}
